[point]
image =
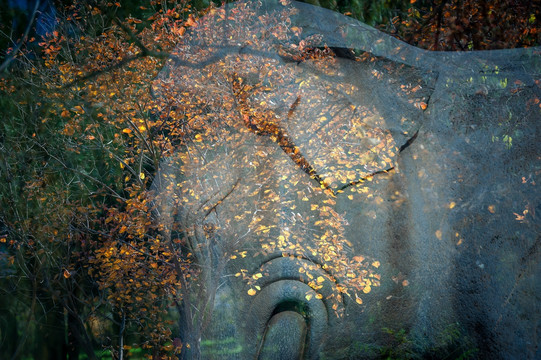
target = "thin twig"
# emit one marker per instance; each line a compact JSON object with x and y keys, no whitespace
{"x":11,"y":56}
{"x":79,"y":171}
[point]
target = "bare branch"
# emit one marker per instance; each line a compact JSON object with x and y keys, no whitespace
{"x":11,"y":56}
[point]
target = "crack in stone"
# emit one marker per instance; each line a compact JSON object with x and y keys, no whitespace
{"x":222,"y":199}
{"x":266,"y":126}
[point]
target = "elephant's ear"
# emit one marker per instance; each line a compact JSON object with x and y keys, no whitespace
{"x":353,"y":117}
{"x":353,"y":124}
{"x":342,"y":115}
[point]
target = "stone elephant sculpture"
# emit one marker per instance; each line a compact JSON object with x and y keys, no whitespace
{"x":345,"y":195}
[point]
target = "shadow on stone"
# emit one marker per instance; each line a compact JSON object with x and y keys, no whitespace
{"x":284,"y":337}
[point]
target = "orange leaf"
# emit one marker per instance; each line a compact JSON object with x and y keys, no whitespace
{"x":191,"y":21}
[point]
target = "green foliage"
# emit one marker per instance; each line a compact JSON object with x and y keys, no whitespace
{"x":401,"y":346}
{"x":451,"y":344}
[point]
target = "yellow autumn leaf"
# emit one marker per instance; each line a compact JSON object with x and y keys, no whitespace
{"x":251,"y":292}
{"x":438,"y":234}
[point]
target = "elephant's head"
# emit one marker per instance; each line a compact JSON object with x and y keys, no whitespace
{"x":324,"y":186}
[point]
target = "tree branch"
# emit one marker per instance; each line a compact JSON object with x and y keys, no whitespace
{"x":11,"y":56}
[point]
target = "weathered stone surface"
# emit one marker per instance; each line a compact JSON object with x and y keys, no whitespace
{"x":450,"y":224}
{"x":284,"y":337}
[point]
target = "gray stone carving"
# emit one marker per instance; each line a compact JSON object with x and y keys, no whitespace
{"x":395,"y":213}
